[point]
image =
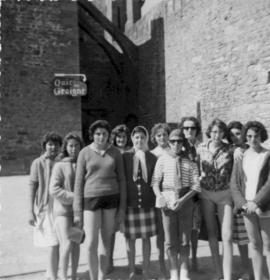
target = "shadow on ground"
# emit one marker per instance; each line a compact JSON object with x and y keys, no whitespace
{"x":205,"y":271}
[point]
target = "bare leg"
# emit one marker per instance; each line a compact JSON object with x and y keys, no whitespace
{"x":208,"y":209}
{"x":107,"y":230}
{"x":75,"y":255}
{"x":225,"y":215}
{"x":265,"y":231}
{"x":92,"y":222}
{"x":131,"y":251}
{"x":53,"y":262}
{"x":110,"y":266}
{"x":62,"y":225}
{"x":254,"y":235}
{"x":146,"y":249}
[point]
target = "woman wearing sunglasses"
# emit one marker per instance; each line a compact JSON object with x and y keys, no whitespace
{"x":178,"y":177}
{"x":191,"y":128}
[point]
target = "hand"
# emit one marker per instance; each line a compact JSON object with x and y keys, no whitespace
{"x":32,"y":219}
{"x":238,"y":154}
{"x":258,"y":211}
{"x":120,"y":217}
{"x":250,"y":207}
{"x":78,"y":222}
{"x":161,"y":202}
{"x":177,"y":205}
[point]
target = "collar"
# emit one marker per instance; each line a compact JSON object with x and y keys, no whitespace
{"x":100,"y":152}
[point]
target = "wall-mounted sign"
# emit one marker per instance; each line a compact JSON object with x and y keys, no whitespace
{"x":69,"y":84}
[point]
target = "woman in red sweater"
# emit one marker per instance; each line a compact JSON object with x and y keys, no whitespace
{"x":100,"y":192}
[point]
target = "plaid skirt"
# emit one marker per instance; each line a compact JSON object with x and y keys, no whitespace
{"x":239,"y":230}
{"x":140,"y":223}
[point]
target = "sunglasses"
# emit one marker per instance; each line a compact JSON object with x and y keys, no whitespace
{"x":176,"y":141}
{"x":189,"y":127}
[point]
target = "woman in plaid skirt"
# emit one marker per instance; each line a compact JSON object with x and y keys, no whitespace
{"x":140,"y":221}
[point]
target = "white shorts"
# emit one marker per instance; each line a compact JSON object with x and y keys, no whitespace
{"x":44,"y":230}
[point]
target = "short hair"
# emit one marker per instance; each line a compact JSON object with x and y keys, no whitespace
{"x":256,"y":126}
{"x":68,"y":137}
{"x":156,"y":128}
{"x":221,"y":125}
{"x":121,"y":128}
{"x":233,"y":125}
{"x":51,"y":136}
{"x":194,"y":120}
{"x":98,"y":124}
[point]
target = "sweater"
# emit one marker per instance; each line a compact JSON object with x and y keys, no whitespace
{"x":238,"y":186}
{"x":40,"y":174}
{"x":61,"y":187}
{"x":165,"y":172}
{"x":143,"y":197}
{"x":97,"y":175}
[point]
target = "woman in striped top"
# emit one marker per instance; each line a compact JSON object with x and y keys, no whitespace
{"x":159,"y":137}
{"x":179,"y":180}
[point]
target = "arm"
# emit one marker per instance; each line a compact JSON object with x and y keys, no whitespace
{"x":57,"y":186}
{"x":235,"y":185}
{"x":157,"y":177}
{"x":263,"y":195}
{"x":33,"y":187}
{"x":238,"y":154}
{"x":79,"y":188}
{"x":194,"y":187}
{"x":122,"y":187}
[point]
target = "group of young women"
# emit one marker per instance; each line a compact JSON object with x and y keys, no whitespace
{"x":117,"y":184}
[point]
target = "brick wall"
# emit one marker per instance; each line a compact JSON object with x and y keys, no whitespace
{"x":38,"y":39}
{"x":216,"y":60}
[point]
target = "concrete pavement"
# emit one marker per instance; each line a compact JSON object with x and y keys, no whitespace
{"x":19,"y":259}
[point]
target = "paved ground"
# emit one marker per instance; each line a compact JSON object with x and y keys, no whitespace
{"x":20,"y":260}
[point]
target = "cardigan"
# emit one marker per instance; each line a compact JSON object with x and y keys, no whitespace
{"x":39,"y":177}
{"x":238,"y":178}
{"x":97,"y":175}
{"x":145,"y":198}
{"x":165,"y":171}
{"x":62,"y":186}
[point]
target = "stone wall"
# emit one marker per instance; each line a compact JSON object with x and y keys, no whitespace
{"x":38,"y":39}
{"x":216,"y":59}
{"x":148,"y":34}
{"x":109,"y":97}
